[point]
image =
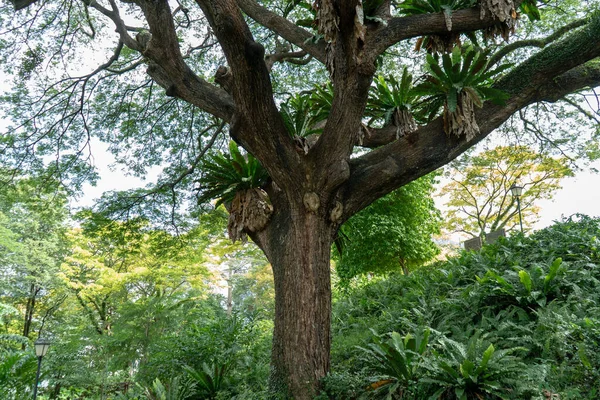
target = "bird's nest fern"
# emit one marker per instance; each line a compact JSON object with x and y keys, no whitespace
{"x":236,"y":180}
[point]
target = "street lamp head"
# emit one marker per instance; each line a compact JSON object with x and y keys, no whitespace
{"x":41,"y":347}
{"x":516,"y":190}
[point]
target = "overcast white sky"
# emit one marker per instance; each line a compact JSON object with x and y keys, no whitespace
{"x":580,"y":194}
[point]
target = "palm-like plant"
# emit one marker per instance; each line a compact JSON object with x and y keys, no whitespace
{"x":17,"y":370}
{"x":297,"y":114}
{"x":301,"y":121}
{"x":465,"y":372}
{"x":235,"y":180}
{"x":530,"y":288}
{"x":436,"y":43}
{"x":321,"y":100}
{"x":176,"y":389}
{"x":397,"y":360}
{"x":459,"y":83}
{"x":210,"y":380}
{"x":392,"y":101}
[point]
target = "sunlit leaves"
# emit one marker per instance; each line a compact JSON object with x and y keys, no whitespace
{"x":480,"y":199}
{"x":393,"y":234}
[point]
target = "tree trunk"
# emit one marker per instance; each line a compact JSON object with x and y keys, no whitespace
{"x":404,"y":267}
{"x":298,"y":245}
{"x":229,"y":292}
{"x":29,"y":309}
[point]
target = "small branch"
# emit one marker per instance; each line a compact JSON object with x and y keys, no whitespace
{"x":582,"y":110}
{"x":291,"y":56}
{"x":114,"y":16}
{"x":284,"y":28}
{"x":49,"y":312}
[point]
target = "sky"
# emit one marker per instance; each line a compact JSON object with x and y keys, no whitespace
{"x":579,"y":194}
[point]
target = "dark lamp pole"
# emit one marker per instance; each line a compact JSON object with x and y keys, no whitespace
{"x":516,"y":191}
{"x":41,"y":348}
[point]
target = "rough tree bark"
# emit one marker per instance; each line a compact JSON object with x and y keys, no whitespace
{"x":298,"y":244}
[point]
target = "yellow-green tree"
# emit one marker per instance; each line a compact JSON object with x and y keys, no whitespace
{"x":129,"y":287}
{"x":480,"y":200}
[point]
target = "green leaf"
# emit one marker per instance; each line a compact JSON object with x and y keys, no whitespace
{"x":525,"y":279}
{"x":452,"y":99}
{"x":487,"y":355}
{"x":460,"y":393}
{"x":554,"y":267}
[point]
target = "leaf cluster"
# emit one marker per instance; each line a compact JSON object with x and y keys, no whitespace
{"x":462,"y":71}
{"x":226,"y":174}
{"x":389,"y":95}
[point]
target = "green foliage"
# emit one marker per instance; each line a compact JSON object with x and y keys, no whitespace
{"x":530,"y":8}
{"x":462,"y":72}
{"x":416,"y":7}
{"x":392,"y":102}
{"x":210,"y":380}
{"x":480,"y":200}
{"x":396,"y":360}
{"x":464,"y":372}
{"x":389,"y":94}
{"x":297,"y":117}
{"x":516,"y":320}
{"x":254,"y":292}
{"x":321,"y":101}
{"x":176,"y":389}
{"x":17,"y":374}
{"x":303,"y":112}
{"x":227,"y":174}
{"x":531,"y":288}
{"x":404,"y":221}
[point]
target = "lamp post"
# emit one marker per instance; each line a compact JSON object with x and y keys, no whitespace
{"x":41,"y":348}
{"x":516,"y":191}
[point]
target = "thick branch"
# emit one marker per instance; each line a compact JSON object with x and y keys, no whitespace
{"x":352,"y":76}
{"x":296,"y":57}
{"x":168,"y":67}
{"x":402,"y":28}
{"x":284,"y":28}
{"x":550,"y":74}
{"x":257,"y":124}
{"x":536,"y":42}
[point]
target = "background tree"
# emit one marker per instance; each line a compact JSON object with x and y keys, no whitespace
{"x":480,"y":200}
{"x":32,"y":246}
{"x":392,"y":234}
{"x":311,"y":190}
{"x":128,"y":287}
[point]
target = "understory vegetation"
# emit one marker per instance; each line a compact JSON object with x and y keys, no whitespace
{"x":517,"y":320}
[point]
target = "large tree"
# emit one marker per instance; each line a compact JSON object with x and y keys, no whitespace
{"x":314,"y":185}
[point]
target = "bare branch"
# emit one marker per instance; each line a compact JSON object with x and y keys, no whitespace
{"x":284,"y":28}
